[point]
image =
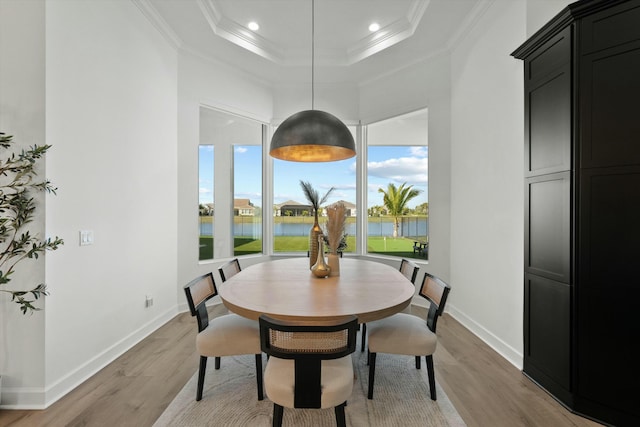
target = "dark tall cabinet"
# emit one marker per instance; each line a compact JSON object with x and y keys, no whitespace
{"x":582,"y":213}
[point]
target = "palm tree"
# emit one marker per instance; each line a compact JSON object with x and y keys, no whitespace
{"x":396,"y":199}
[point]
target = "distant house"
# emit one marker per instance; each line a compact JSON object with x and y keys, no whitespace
{"x":350,"y":208}
{"x":243,"y":207}
{"x":292,"y":208}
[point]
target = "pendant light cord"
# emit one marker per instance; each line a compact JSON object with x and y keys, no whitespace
{"x":313,"y":20}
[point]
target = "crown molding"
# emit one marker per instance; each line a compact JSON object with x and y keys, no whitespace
{"x":389,"y":35}
{"x":159,"y":23}
{"x":237,"y":34}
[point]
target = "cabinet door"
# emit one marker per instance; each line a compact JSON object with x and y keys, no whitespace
{"x":607,"y":293}
{"x":548,"y":227}
{"x":609,"y":65}
{"x":547,"y":335}
{"x":609,"y":107}
{"x":548,"y":121}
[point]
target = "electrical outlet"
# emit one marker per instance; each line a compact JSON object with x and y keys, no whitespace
{"x":148,"y":302}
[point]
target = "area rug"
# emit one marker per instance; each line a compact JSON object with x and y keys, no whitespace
{"x":401,"y":398}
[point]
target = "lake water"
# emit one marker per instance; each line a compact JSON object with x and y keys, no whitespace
{"x":376,"y":227}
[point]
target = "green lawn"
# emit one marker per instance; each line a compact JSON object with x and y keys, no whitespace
{"x":400,"y":247}
{"x":206,"y":248}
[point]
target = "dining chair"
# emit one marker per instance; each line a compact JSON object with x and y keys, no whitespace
{"x":410,"y":270}
{"x":411,"y":335}
{"x":229,"y":269}
{"x":309,"y":365}
{"x":226,"y":335}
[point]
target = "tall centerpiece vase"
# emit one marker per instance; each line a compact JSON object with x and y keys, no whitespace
{"x":320,"y":268}
{"x":314,"y":233}
{"x":312,"y":196}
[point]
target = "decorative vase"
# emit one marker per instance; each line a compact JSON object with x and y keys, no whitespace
{"x":333,"y":260}
{"x":320,"y":268}
{"x":314,"y":233}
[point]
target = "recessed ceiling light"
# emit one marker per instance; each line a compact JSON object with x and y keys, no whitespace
{"x":253,"y":26}
{"x":374,"y":27}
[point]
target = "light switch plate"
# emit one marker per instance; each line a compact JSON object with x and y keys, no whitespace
{"x":86,"y":237}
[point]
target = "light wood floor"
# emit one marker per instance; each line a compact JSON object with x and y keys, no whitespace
{"x":136,"y":388}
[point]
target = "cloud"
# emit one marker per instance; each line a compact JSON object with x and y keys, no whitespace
{"x":240,"y":149}
{"x":337,"y":187}
{"x":205,"y":196}
{"x":249,"y":195}
{"x":412,"y":170}
{"x":419,"y":151}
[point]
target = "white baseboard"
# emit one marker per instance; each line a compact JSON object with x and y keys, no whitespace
{"x":30,"y":398}
{"x":509,"y":353}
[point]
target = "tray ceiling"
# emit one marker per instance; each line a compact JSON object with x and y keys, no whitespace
{"x":344,"y":50}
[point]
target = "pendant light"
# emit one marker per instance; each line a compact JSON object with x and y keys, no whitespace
{"x":312,"y":135}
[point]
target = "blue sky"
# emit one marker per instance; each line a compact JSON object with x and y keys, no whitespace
{"x":386,"y":164}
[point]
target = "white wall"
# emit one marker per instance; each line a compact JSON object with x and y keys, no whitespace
{"x":424,"y":84}
{"x":539,"y":12}
{"x":487,"y":185}
{"x":487,"y":179}
{"x":22,"y":95}
{"x":111,"y":113}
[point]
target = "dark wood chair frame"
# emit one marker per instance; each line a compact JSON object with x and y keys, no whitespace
{"x":308,"y":365}
{"x":413,"y":280}
{"x":437,"y":302}
{"x":201,"y":314}
{"x":232,"y":266}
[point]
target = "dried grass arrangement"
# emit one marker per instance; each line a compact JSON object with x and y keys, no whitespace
{"x":337,"y":216}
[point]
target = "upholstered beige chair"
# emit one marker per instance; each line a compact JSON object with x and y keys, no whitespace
{"x":229,"y":269}
{"x":226,"y":335}
{"x":410,"y":271}
{"x":309,"y":365}
{"x":407,"y":334}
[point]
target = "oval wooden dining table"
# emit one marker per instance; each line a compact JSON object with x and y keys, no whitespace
{"x":286,"y":289}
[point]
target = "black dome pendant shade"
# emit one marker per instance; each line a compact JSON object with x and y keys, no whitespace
{"x":312,"y":136}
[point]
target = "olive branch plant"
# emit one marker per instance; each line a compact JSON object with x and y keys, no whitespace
{"x":17,"y":208}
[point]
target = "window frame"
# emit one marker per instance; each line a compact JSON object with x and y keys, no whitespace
{"x":223,"y":180}
{"x":267,"y":185}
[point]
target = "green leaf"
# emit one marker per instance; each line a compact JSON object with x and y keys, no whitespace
{"x":17,"y":209}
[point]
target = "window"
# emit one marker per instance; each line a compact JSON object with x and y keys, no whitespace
{"x":205,"y":206}
{"x":397,"y":182}
{"x":396,"y":152}
{"x":292,"y":213}
{"x":247,"y":199}
{"x":233,"y":224}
